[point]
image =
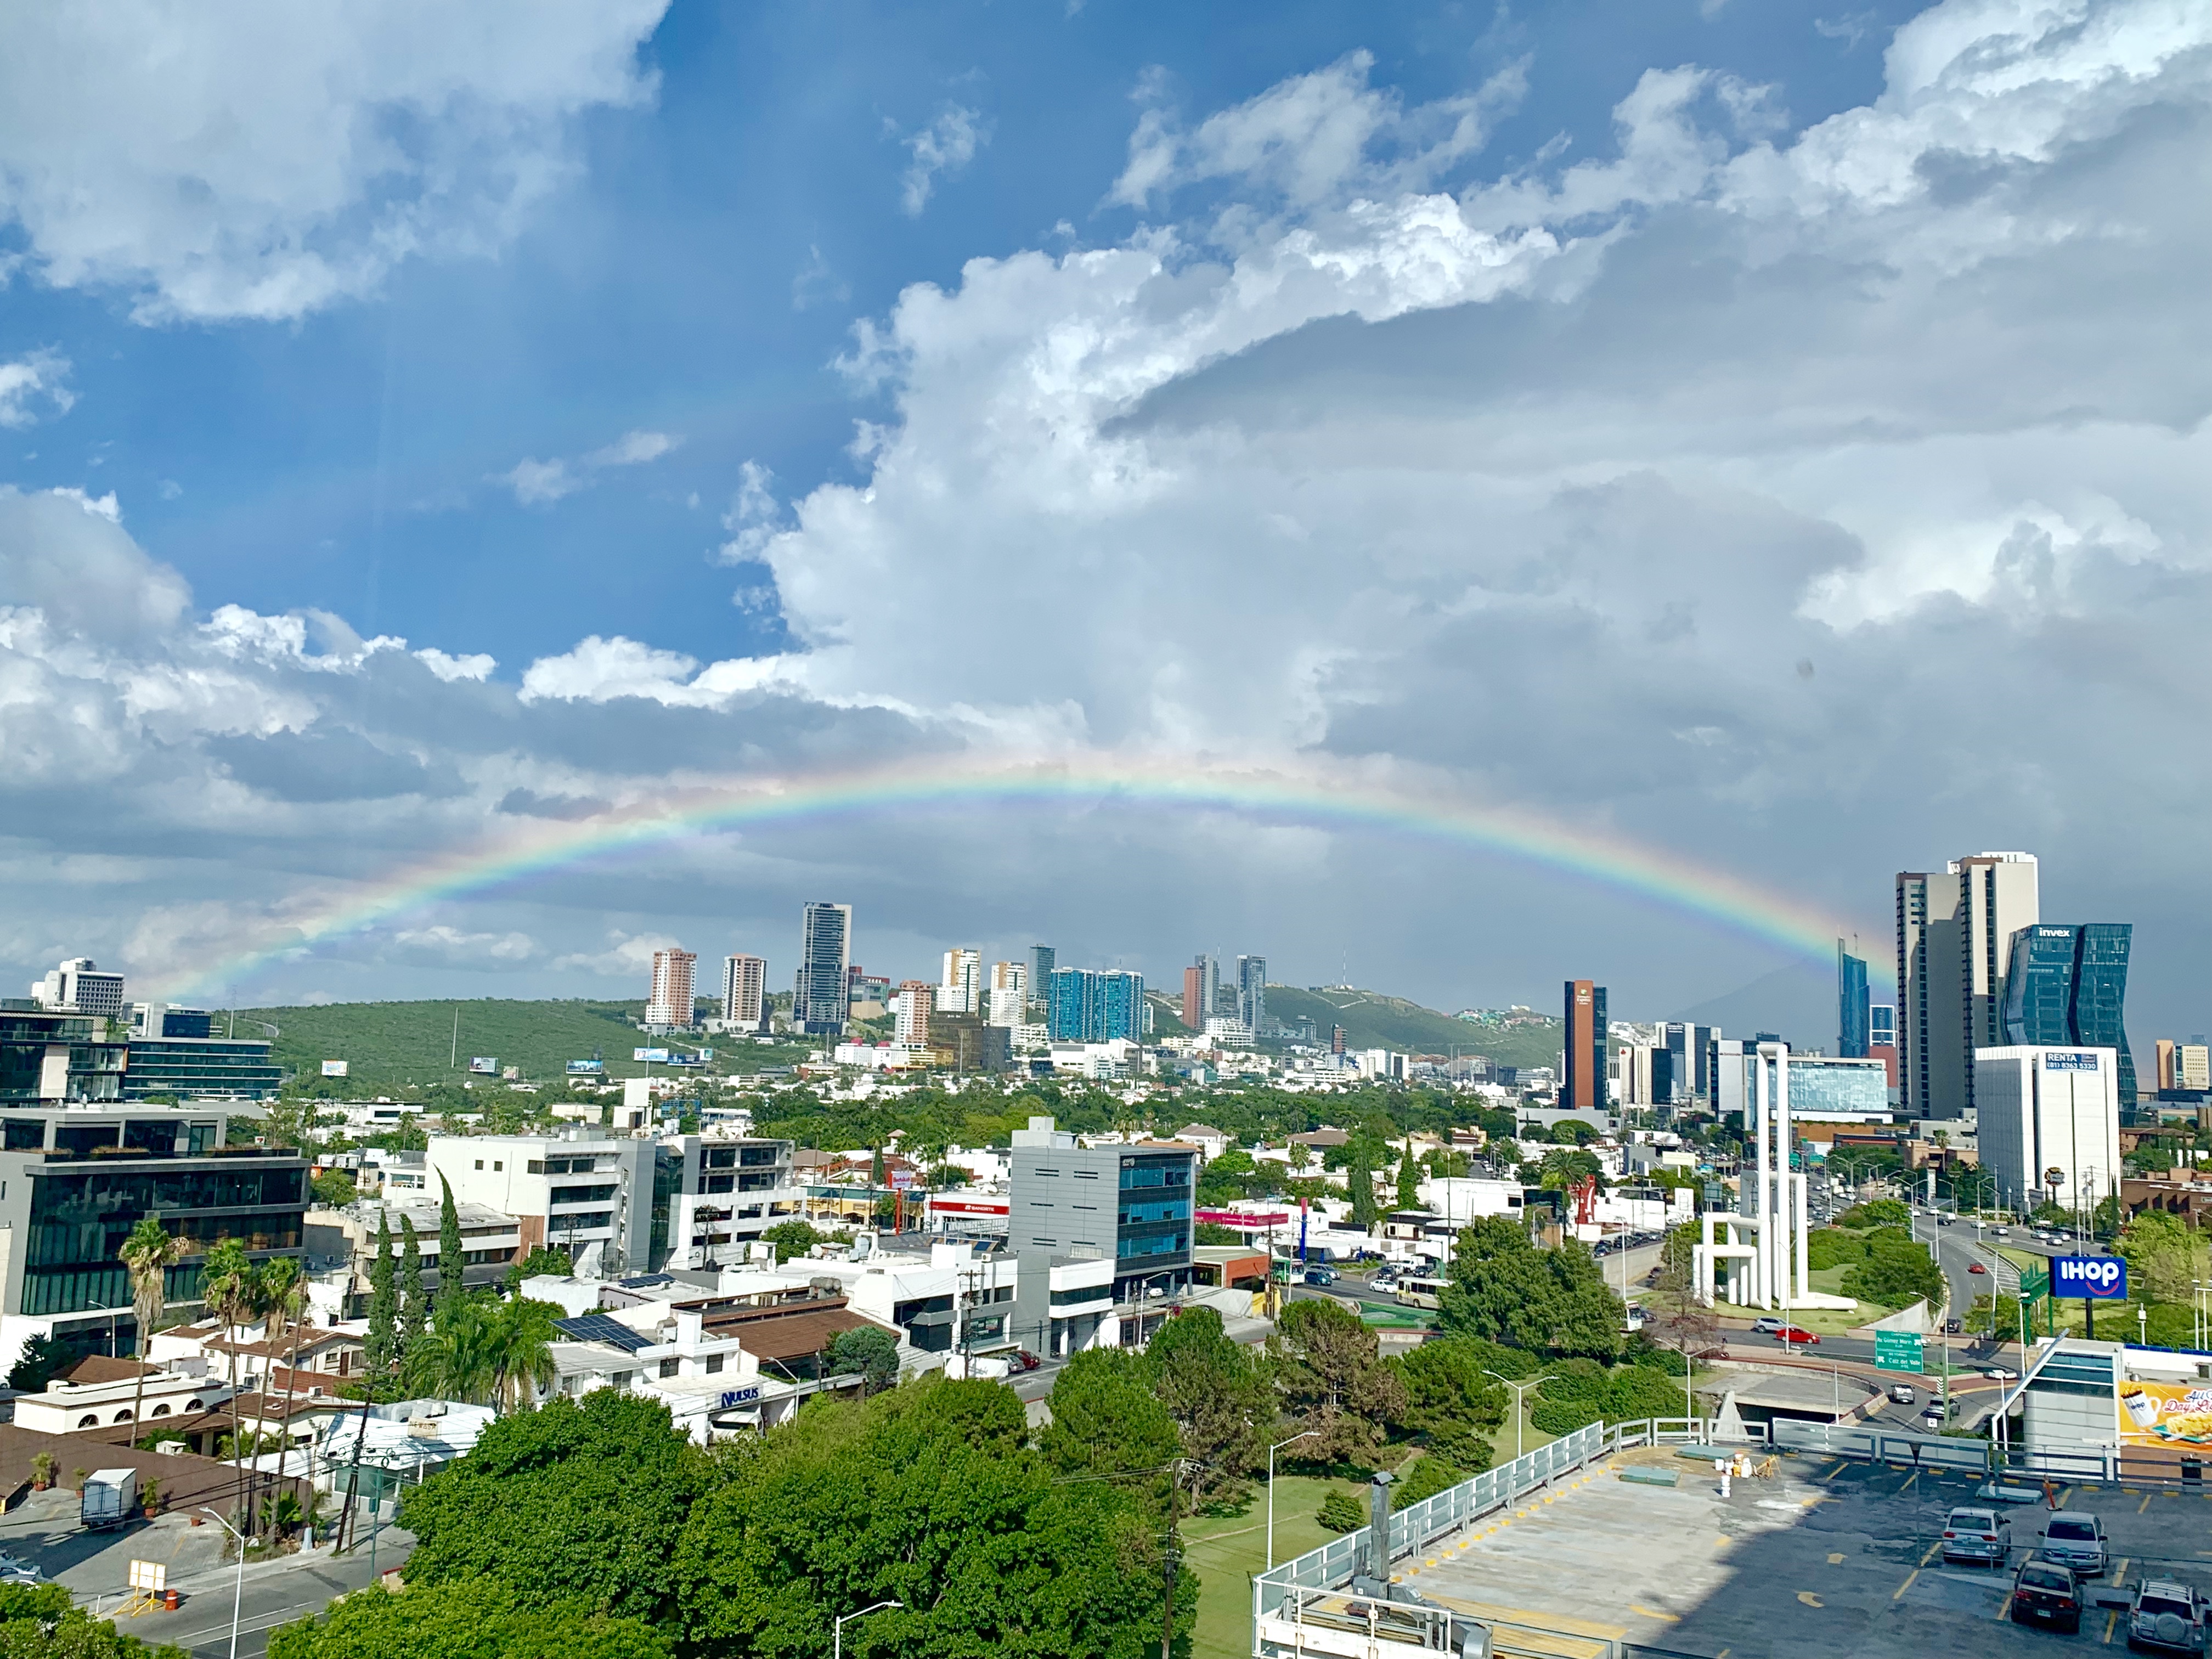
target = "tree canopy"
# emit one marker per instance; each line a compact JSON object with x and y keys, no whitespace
{"x":1504,"y":1289}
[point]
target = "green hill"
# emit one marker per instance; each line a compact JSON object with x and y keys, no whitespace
{"x":390,"y":1045}
{"x":1372,"y":1020}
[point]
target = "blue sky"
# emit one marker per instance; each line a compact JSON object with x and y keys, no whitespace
{"x":1772,"y":433}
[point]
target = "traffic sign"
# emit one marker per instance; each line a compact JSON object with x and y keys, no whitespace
{"x":1897,"y":1350}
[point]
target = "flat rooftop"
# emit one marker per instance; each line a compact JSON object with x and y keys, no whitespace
{"x":1820,"y":1561}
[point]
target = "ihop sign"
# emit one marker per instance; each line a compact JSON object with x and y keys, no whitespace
{"x":2101,"y":1277}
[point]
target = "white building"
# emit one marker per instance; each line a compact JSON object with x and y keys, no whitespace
{"x":2042,"y":1112}
{"x":913,"y":1005}
{"x":745,"y":990}
{"x":571,"y":1191}
{"x":958,"y":1297}
{"x":78,"y":986}
{"x":960,"y":990}
{"x":730,"y":1192}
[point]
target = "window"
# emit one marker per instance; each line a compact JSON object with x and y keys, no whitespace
{"x":480,"y":1164}
{"x":668,"y":1367}
{"x":496,"y":1166}
{"x":714,"y":1364}
{"x":536,"y":1166}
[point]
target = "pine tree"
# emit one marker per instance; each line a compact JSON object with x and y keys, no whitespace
{"x":1409,"y":1180}
{"x":1359,"y":1177}
{"x":451,"y":1292}
{"x":414,"y":1303}
{"x":382,"y":1351}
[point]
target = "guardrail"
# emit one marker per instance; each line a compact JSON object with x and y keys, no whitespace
{"x":1928,"y":1451}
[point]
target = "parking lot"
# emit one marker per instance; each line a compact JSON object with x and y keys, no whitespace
{"x":1824,"y":1558}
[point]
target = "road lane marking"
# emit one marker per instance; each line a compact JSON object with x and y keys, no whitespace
{"x":1653,"y":1613}
{"x":1932,"y":1549}
{"x":1906,"y":1585}
{"x":2111,"y":1620}
{"x":1835,"y":1559}
{"x":2145,"y":1502}
{"x":1810,"y":1600}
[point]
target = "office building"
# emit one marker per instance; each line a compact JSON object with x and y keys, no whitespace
{"x":1881,"y":1025}
{"x":199,"y":1068}
{"x":2045,"y":1112}
{"x":1006,"y":999}
{"x":727,"y":1193}
{"x":969,"y":1043}
{"x":2182,"y":1067}
{"x":1195,"y":999}
{"x":959,"y":990}
{"x":571,"y":1191}
{"x":819,"y":1004}
{"x":50,"y":1055}
{"x":1102,"y":1233}
{"x":2067,"y":985}
{"x":1854,"y":1006}
{"x":1123,"y":1005}
{"x":1689,"y":1064}
{"x":914,"y":1007}
{"x":77,"y":986}
{"x":670,"y":1006}
{"x":1647,"y":1075}
{"x":1954,"y":933}
{"x":1584,"y":1088}
{"x":1041,"y":961}
{"x":1252,"y":991}
{"x":744,"y":993}
{"x":76,"y":1175}
{"x":1087,"y":1007}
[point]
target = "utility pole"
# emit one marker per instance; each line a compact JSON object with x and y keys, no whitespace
{"x":1167,"y":1569}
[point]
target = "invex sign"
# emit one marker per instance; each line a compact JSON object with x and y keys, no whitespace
{"x":2103,"y":1278}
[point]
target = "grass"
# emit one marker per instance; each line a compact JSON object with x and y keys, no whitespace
{"x":1228,"y":1550}
{"x":1821,"y":1321}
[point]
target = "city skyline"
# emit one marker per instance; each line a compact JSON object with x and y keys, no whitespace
{"x":873,"y":419}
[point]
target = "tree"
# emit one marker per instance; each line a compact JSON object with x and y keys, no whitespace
{"x":793,"y":1238}
{"x":522,"y":1333}
{"x":459,"y":1357}
{"x":1108,"y":1421}
{"x":1341,"y":1512}
{"x":869,"y":1350}
{"x":2164,"y":1257}
{"x":413,"y":1303}
{"x":453,"y":1258}
{"x":478,"y":1619}
{"x":284,"y":1295}
{"x":334,"y":1189}
{"x":1450,"y":1401}
{"x":44,"y":1622}
{"x":1221,"y":1398}
{"x":1580,"y":1392}
{"x":1335,"y":1383}
{"x":147,"y":1255}
{"x":541,"y":1262}
{"x":380,"y":1348}
{"x":42,"y":1359}
{"x":1897,"y":1272}
{"x":1505,"y":1289}
{"x":1359,"y":1183}
{"x":232,"y":1286}
{"x":1409,"y":1180}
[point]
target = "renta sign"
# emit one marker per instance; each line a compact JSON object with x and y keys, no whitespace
{"x":2102,"y":1278}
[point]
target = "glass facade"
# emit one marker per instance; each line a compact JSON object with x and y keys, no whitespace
{"x":2068,"y":985}
{"x":188,"y":1066}
{"x":1084,"y":1006}
{"x":825,"y":947}
{"x":1153,"y":1217}
{"x":1854,"y":1008}
{"x":94,"y":1069}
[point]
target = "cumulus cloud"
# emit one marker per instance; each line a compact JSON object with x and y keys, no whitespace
{"x":538,"y":484}
{"x":940,"y":150}
{"x":264,"y":160}
{"x":40,"y":377}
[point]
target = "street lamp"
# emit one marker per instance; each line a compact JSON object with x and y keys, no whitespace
{"x":839,"y":1621}
{"x":238,"y":1594}
{"x":1272,"y":1450}
{"x":1519,"y":1390}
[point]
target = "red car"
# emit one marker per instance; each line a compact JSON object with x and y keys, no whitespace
{"x":1795,"y":1337}
{"x":1976,"y":1267}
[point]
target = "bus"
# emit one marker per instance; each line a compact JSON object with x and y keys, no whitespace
{"x":1419,"y":1292}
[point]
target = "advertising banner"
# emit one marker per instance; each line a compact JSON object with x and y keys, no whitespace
{"x":485,"y":1065}
{"x":334,"y":1068}
{"x":650,"y":1056}
{"x":2099,"y":1278}
{"x":2165,"y":1415}
{"x":587,"y":1068}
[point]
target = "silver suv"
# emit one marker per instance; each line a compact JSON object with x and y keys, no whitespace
{"x":1976,"y":1535}
{"x":2167,"y":1616}
{"x":2076,"y":1541}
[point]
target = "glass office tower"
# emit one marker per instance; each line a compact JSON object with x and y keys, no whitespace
{"x":2068,"y":984}
{"x":1853,"y":1005}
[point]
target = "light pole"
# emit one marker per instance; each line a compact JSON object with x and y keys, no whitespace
{"x":237,"y":1596}
{"x":1272,"y":1450}
{"x":1519,"y":1390}
{"x":838,"y":1622}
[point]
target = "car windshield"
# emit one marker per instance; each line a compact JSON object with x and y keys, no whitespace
{"x":2067,"y":1528}
{"x":2045,"y":1578}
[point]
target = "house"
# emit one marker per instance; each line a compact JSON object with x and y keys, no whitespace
{"x":102,"y":1392}
{"x":1210,"y":1141}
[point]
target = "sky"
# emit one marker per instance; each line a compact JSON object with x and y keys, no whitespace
{"x":1756,"y":438}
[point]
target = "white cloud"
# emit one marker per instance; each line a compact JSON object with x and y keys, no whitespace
{"x":943,"y":148}
{"x":458,"y":947}
{"x":537,"y":484}
{"x":475,"y":665}
{"x":40,"y":377}
{"x":263,"y":160}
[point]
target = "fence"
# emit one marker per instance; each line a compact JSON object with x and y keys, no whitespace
{"x":1881,"y":1445}
{"x":1332,"y":1565}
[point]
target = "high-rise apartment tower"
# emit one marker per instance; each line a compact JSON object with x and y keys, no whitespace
{"x":671,"y":1001}
{"x":825,"y":948}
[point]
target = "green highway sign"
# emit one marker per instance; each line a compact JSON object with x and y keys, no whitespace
{"x":1897,"y":1350}
{"x":2034,"y":1283}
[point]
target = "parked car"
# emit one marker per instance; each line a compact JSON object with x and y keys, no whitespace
{"x":1024,"y":1360}
{"x":2166,"y":1615}
{"x":1902,"y":1393}
{"x":2076,"y":1541}
{"x":1319,"y":1276}
{"x":1976,"y":1535}
{"x":2046,"y":1593}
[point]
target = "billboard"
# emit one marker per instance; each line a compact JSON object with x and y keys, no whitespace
{"x":334,"y":1068}
{"x":485,"y":1065}
{"x":2165,"y":1413}
{"x":2068,"y":1062}
{"x":2099,"y":1278}
{"x":650,"y":1056}
{"x":587,"y":1068}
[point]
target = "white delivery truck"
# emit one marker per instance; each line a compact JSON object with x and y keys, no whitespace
{"x":110,"y":1498}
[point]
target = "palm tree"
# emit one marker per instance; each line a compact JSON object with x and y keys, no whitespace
{"x":458,"y":1358}
{"x":522,"y":1350}
{"x":232,"y":1286}
{"x":147,"y":1254}
{"x":284,"y":1293}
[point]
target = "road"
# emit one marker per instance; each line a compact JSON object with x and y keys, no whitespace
{"x":274,"y":1595}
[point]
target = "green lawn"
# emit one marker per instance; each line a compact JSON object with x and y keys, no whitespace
{"x":1228,"y":1550}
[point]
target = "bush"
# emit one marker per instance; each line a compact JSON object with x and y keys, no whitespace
{"x":1570,"y":1400}
{"x":1829,"y":1247}
{"x":1896,"y":1272}
{"x":1341,"y":1512}
{"x":1424,"y":1478}
{"x":1880,"y":1212}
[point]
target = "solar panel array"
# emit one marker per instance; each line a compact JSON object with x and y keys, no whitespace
{"x":603,"y":1327}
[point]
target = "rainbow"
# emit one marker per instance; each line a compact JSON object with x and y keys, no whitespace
{"x":1346,"y":799}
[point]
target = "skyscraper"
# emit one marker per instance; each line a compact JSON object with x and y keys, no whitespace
{"x":1954,"y":935}
{"x":1094,"y":1007}
{"x":1582,"y":1089}
{"x":671,"y":1002}
{"x":1854,"y":1006}
{"x":1121,"y":1005}
{"x":1042,"y":960}
{"x":745,"y":989}
{"x":1252,"y":991}
{"x":825,"y":946}
{"x":2068,"y":984}
{"x":958,"y":989}
{"x":1689,"y":1064}
{"x":1193,"y":996}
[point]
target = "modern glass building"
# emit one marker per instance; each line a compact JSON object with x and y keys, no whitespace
{"x":188,"y":1067}
{"x":825,"y":949}
{"x":1085,"y":1006}
{"x":2068,"y":984}
{"x":1854,"y":1006}
{"x":56,"y":1055}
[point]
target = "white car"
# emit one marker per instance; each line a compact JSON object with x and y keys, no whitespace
{"x":1999,"y":1374}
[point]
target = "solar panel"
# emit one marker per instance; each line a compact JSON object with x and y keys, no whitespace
{"x":601,"y":1328}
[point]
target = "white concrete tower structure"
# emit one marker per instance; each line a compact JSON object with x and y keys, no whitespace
{"x":1763,"y":1241}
